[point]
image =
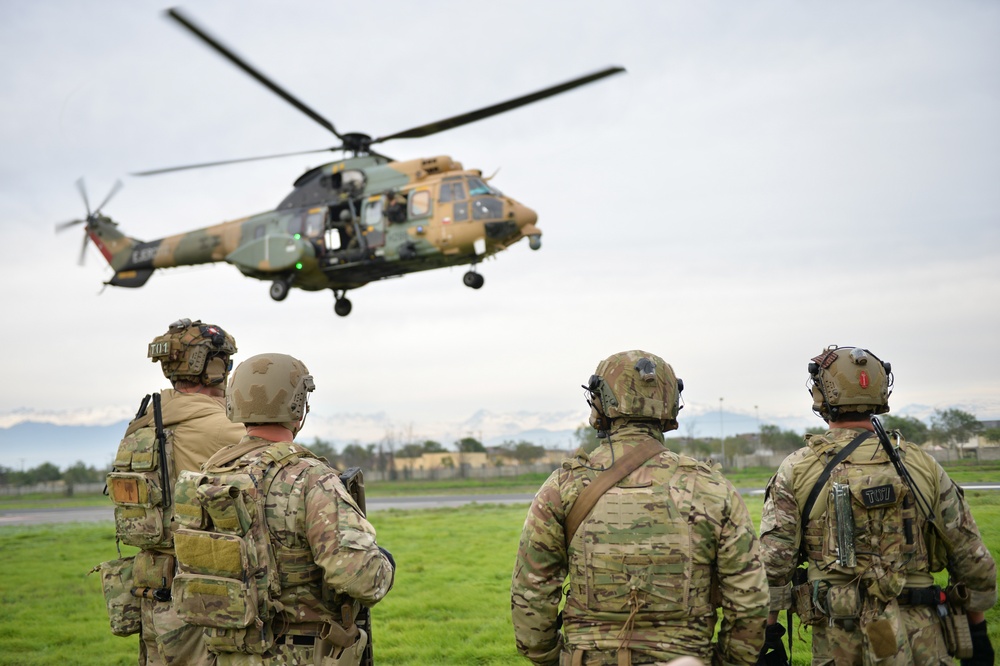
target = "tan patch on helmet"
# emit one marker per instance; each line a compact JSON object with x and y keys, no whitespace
{"x":258,"y":404}
{"x":260,"y":366}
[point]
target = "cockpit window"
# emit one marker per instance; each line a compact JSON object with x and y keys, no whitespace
{"x":477,"y":186}
{"x":487,"y":208}
{"x":451,"y":192}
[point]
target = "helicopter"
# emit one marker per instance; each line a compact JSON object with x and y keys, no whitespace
{"x":359,"y":219}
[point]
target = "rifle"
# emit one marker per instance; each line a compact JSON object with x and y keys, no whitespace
{"x":354,"y":481}
{"x":161,"y":441}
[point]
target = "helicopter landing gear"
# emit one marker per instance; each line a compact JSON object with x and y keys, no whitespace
{"x":473,"y":280}
{"x":535,"y":242}
{"x":342,"y":306}
{"x":280,"y":288}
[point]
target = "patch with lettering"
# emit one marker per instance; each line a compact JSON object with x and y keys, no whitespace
{"x":878,"y":496}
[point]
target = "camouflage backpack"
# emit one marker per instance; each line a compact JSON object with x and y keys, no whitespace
{"x":139,"y":483}
{"x":228,"y":580}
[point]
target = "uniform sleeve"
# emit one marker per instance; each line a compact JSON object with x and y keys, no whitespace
{"x":780,"y":529}
{"x":539,"y":572}
{"x":743,"y":589}
{"x":343,"y":542}
{"x":970,"y":561}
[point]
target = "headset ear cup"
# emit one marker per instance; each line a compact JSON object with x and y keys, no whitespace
{"x":215,"y":370}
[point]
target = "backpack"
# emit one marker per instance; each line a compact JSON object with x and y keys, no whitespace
{"x":227,"y":577}
{"x":139,"y":483}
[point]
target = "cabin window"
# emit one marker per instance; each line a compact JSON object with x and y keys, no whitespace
{"x":373,"y":211}
{"x":258,"y":232}
{"x":315,"y":222}
{"x":420,"y":203}
{"x":352,"y":178}
{"x":487,"y":208}
{"x":460,"y":212}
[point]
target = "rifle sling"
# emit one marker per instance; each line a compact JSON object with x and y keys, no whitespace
{"x":825,"y":476}
{"x":604,"y":481}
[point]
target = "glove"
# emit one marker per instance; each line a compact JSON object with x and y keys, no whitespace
{"x":388,"y":556}
{"x":982,"y":649}
{"x":772,"y":653}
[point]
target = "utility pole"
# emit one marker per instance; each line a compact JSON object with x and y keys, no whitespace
{"x":756,"y":412}
{"x":722,"y":434}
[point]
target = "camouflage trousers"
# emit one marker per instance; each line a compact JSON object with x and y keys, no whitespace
{"x":614,"y":658}
{"x":166,"y":639}
{"x":922,"y":645}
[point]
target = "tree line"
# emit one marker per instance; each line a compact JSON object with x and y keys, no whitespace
{"x":947,"y":427}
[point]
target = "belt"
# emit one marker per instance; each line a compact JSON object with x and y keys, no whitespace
{"x":922,"y":596}
{"x":296,"y":639}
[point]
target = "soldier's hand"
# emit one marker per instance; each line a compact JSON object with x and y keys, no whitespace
{"x":773,"y":651}
{"x":982,"y":649}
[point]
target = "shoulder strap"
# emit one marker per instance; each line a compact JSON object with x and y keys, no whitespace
{"x":604,"y":481}
{"x":825,"y":476}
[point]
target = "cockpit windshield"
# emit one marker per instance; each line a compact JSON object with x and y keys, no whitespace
{"x":478,"y":186}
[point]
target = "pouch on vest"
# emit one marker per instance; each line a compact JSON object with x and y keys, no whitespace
{"x":349,"y":656}
{"x":888,"y":542}
{"x":227,"y":580}
{"x":884,"y":636}
{"x":136,"y":485}
{"x":123,"y":608}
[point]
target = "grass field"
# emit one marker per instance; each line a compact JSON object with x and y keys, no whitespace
{"x":450,"y":604}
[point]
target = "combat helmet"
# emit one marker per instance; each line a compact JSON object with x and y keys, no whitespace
{"x":269,"y":388}
{"x":194,"y":351}
{"x":843,"y":380}
{"x":636,"y":385}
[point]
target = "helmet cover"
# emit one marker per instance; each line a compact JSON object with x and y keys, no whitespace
{"x":193,"y":351}
{"x":269,"y":388}
{"x":849,"y":379}
{"x":637,"y":385}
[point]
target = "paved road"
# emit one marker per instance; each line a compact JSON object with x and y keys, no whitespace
{"x":98,"y":514}
{"x":95,"y":514}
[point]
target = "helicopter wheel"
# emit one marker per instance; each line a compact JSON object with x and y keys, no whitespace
{"x":473,"y":280}
{"x":279,"y":289}
{"x":342,"y":306}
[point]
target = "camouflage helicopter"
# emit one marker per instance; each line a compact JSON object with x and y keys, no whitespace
{"x":359,"y":219}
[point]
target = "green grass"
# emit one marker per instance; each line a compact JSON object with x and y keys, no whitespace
{"x":450,"y":603}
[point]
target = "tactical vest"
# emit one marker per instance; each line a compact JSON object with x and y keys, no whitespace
{"x":627,"y":558}
{"x":879,"y":509}
{"x":230,"y":572}
{"x":139,"y":483}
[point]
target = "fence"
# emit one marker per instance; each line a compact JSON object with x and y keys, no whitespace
{"x":53,"y":488}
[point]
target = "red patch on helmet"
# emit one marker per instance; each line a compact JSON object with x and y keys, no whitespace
{"x":863,"y":380}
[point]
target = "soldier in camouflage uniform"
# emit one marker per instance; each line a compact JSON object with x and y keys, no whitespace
{"x":871,"y":598}
{"x":195,"y":357}
{"x":656,"y":555}
{"x":325,"y":550}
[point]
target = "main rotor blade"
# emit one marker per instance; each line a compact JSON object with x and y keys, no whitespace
{"x":83,"y":193}
{"x":114,"y":190}
{"x":243,"y":159}
{"x":472,"y":116}
{"x":83,"y":249}
{"x":175,"y":14}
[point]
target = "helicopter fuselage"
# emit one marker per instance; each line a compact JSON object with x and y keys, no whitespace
{"x":345,"y":224}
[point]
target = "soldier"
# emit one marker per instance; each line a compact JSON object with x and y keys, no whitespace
{"x":195,"y":357}
{"x":652,"y":542}
{"x":840,"y":505}
{"x":287,"y":517}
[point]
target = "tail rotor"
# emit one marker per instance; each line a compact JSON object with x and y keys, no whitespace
{"x":91,"y":218}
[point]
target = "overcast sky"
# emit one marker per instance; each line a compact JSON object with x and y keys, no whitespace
{"x":767,"y":179}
